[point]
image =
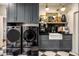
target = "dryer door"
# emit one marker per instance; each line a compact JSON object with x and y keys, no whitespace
{"x":13,"y":35}
{"x":29,"y":35}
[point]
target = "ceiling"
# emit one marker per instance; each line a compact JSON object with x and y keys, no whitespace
{"x":56,"y":6}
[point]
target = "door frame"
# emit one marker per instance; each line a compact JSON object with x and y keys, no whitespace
{"x":76,"y":32}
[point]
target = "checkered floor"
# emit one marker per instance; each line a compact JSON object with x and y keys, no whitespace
{"x":56,"y":53}
{"x":47,"y":53}
{"x":42,"y":53}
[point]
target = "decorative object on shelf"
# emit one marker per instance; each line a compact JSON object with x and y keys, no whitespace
{"x":43,"y":18}
{"x":63,"y":29}
{"x":57,"y":19}
{"x":54,"y":29}
{"x":66,"y":29}
{"x":42,"y":27}
{"x":60,"y":29}
{"x":51,"y":16}
{"x":63,"y":19}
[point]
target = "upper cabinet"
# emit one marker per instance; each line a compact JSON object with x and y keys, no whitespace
{"x":20,"y":12}
{"x":11,"y":13}
{"x":15,"y":13}
{"x":23,"y":12}
{"x":27,"y":13}
{"x":35,"y":13}
{"x":31,"y":11}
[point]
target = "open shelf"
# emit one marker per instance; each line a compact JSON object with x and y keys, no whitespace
{"x":52,"y":27}
{"x":55,"y":22}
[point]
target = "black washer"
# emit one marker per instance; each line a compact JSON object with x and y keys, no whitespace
{"x":29,"y":35}
{"x":13,"y":35}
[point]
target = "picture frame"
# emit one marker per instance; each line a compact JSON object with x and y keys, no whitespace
{"x":51,"y":14}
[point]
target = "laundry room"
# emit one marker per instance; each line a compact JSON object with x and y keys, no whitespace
{"x":39,"y":29}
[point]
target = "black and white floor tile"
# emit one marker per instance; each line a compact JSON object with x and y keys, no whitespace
{"x":56,"y":53}
{"x":45,"y":53}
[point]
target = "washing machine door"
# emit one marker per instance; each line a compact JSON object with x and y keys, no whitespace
{"x":13,"y":35}
{"x":29,"y":35}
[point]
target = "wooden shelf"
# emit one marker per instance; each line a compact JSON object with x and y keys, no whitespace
{"x":55,"y":22}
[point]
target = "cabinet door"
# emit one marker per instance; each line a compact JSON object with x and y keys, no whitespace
{"x":67,"y":44}
{"x":35,"y":13}
{"x":20,"y":12}
{"x":50,"y":45}
{"x":47,"y":44}
{"x":27,"y":13}
{"x":11,"y":13}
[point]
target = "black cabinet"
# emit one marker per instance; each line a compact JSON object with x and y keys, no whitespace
{"x":27,"y":13}
{"x":47,"y":44}
{"x":35,"y":13}
{"x":23,"y":12}
{"x":11,"y":13}
{"x":31,"y":13}
{"x":64,"y":44}
{"x":50,"y":45}
{"x":15,"y":12}
{"x":20,"y":12}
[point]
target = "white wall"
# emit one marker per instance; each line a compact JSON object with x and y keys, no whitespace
{"x":70,"y":14}
{"x":2,"y":14}
{"x":74,"y":7}
{"x":2,"y":10}
{"x":52,"y":8}
{"x":1,"y":31}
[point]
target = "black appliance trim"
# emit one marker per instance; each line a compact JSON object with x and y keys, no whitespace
{"x":21,"y":39}
{"x":31,"y":33}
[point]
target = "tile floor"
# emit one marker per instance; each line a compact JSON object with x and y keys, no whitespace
{"x":46,"y":53}
{"x":56,"y":53}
